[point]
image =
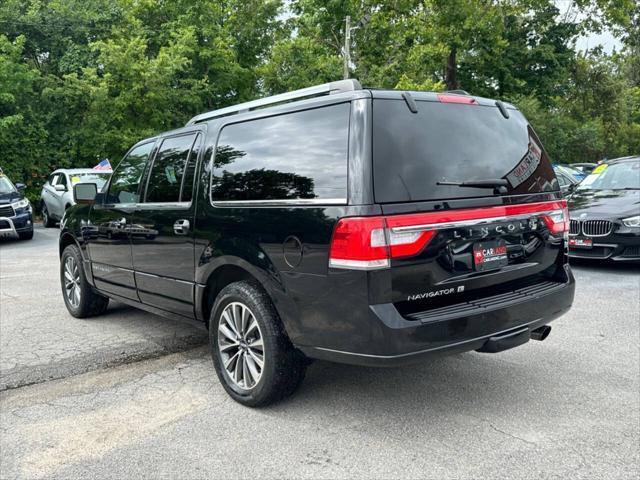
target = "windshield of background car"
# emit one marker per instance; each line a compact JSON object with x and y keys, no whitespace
{"x":98,"y":178}
{"x":574,"y":172}
{"x":446,"y":142}
{"x":6,"y":186}
{"x":618,"y":176}
{"x":570,"y":172}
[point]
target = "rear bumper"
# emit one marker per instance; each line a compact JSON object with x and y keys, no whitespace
{"x":395,"y":340}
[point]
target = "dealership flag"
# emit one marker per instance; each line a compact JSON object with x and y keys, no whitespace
{"x":103,"y":165}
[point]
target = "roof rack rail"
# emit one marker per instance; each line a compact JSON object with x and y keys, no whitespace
{"x":316,"y":91}
{"x":458,"y":92}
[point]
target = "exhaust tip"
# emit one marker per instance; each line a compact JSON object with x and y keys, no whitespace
{"x":540,"y":333}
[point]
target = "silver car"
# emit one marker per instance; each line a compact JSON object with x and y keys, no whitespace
{"x":57,"y":192}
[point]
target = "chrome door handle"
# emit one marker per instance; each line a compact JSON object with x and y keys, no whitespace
{"x":181,"y":227}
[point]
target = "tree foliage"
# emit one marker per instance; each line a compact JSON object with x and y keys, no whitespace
{"x":82,"y":80}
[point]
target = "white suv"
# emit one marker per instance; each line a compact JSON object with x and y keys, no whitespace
{"x":57,"y":192}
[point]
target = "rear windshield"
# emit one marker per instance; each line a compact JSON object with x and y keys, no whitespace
{"x":447,"y":142}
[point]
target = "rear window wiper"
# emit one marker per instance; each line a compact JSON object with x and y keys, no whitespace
{"x":499,"y":185}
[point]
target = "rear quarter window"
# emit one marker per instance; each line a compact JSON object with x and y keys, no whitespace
{"x":299,"y":155}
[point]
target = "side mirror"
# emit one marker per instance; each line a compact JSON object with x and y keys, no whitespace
{"x":85,"y":193}
{"x":60,"y":188}
{"x":21,"y":186}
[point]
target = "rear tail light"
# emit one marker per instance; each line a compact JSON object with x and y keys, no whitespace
{"x":359,"y":243}
{"x":557,"y":221}
{"x":369,"y":243}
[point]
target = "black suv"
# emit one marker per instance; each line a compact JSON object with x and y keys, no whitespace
{"x":16,"y":213}
{"x":369,"y":227}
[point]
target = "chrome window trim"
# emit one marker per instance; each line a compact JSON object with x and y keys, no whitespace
{"x":117,"y":206}
{"x":470,"y":223}
{"x":166,"y":205}
{"x":301,"y":202}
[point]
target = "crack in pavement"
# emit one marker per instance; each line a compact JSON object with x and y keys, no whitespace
{"x":21,"y":376}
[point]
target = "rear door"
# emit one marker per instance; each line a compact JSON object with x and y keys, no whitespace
{"x":162,"y":226}
{"x":110,"y":245}
{"x":451,"y":242}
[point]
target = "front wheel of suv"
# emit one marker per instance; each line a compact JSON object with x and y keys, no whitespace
{"x":79,"y":297}
{"x":255,"y":361}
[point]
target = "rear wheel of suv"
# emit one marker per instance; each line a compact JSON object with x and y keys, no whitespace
{"x":255,"y":361}
{"x":81,"y":300}
{"x":47,"y":221}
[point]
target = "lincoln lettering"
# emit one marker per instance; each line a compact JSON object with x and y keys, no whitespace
{"x":483,"y":232}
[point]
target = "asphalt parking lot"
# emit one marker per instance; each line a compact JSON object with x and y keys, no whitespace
{"x":130,"y":394}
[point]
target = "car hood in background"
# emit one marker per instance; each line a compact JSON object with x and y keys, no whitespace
{"x":6,"y":198}
{"x":605,"y":203}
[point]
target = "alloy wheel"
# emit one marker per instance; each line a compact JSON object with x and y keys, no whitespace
{"x":241,"y":346}
{"x":72,"y":281}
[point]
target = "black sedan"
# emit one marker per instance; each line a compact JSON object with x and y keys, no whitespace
{"x":605,"y":214}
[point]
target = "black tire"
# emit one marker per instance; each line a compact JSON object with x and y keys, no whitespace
{"x":284,"y":366}
{"x":26,"y":235}
{"x":90,"y":302}
{"x":47,"y":221}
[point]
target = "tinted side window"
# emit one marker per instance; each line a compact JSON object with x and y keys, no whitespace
{"x":297,"y":155}
{"x":126,"y":179}
{"x":167,"y":172}
{"x":62,"y":179}
{"x":187,"y":183}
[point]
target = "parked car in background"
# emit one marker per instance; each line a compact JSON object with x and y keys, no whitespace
{"x":605,"y":213}
{"x":353,"y":225}
{"x":573,"y":172}
{"x":16,"y":213}
{"x":568,"y":182}
{"x":584,"y":167}
{"x":57,"y":193}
